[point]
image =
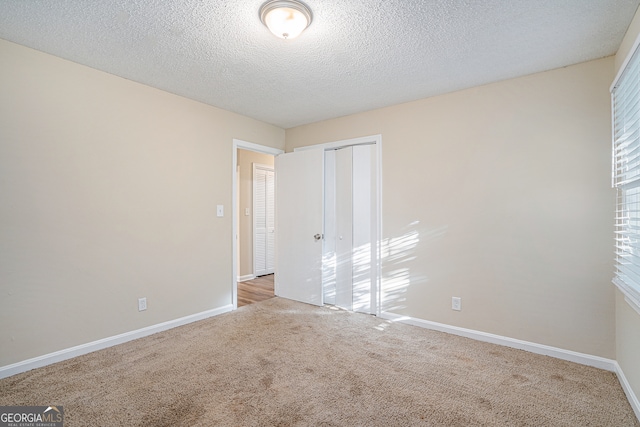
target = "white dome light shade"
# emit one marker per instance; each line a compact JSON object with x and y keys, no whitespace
{"x":285,"y":18}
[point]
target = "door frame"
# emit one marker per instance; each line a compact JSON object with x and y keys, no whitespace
{"x":366,"y":140}
{"x":249,"y":146}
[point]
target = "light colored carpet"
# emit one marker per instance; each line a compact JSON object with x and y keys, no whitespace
{"x":281,"y":363}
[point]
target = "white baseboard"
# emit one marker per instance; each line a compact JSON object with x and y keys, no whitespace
{"x":559,"y":353}
{"x":631,"y":396}
{"x":58,"y":356}
{"x":246,"y":277}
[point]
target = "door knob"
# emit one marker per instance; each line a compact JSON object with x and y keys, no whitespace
{"x":317,"y":237}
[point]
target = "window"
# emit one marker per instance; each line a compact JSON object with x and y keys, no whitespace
{"x":626,"y":179}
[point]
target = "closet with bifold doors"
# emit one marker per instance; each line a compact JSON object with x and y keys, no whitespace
{"x":350,"y":228}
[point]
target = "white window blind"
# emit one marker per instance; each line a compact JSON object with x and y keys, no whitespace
{"x":626,"y":179}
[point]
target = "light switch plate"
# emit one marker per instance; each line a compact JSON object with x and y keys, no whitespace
{"x":246,"y":211}
{"x":220,"y":210}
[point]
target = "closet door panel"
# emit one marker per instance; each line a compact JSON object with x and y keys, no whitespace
{"x":363,"y":208}
{"x":344,"y":228}
{"x":329,"y":262}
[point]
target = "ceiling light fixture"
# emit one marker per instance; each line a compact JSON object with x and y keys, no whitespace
{"x":285,"y":18}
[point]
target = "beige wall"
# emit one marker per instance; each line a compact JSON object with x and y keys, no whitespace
{"x":628,"y":342}
{"x":500,"y":195}
{"x":627,"y":320}
{"x":246,"y":159}
{"x":108,"y":193}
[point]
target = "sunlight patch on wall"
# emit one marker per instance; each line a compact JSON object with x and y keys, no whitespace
{"x":397,"y":276}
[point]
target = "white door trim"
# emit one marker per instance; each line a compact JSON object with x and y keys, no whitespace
{"x":250,"y":146}
{"x":377,"y":140}
{"x":372,"y":139}
{"x":236,"y":229}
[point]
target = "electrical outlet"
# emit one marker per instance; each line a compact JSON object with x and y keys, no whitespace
{"x":456,"y":303}
{"x":142,"y":304}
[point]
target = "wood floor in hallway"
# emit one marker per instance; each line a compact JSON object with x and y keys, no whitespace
{"x":258,"y":289}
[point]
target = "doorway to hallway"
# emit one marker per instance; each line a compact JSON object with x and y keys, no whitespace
{"x":253,"y":218}
{"x":256,"y":290}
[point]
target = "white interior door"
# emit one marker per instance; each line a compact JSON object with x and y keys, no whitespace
{"x":299,"y":225}
{"x":271,"y":221}
{"x":364,"y":230}
{"x":329,"y":261}
{"x":263,"y":220}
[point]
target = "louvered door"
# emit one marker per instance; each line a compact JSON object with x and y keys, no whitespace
{"x":264,"y":219}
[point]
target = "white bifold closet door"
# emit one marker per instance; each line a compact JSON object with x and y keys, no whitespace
{"x":264,"y":220}
{"x":350,"y":228}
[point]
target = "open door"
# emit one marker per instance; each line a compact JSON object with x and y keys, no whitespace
{"x":299,"y":225}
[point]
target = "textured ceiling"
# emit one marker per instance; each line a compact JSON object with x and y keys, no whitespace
{"x":357,"y":55}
